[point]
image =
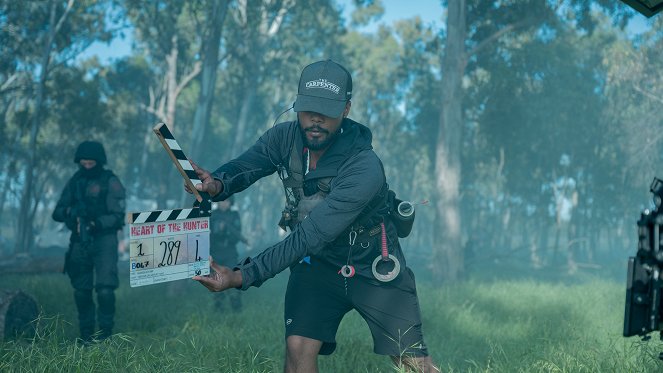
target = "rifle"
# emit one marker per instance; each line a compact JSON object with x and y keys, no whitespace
{"x":83,"y":218}
{"x":642,"y":314}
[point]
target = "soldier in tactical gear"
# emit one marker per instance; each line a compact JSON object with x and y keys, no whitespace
{"x":92,"y":207}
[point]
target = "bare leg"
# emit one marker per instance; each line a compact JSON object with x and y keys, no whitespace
{"x":422,"y":364}
{"x":301,"y":354}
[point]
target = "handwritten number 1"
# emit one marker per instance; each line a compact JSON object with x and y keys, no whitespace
{"x":197,"y":257}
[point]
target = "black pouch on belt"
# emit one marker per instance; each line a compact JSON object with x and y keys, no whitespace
{"x":402,"y":213}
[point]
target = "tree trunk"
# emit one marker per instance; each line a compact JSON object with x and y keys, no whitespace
{"x":166,"y":107}
{"x":243,"y":121}
{"x":257,"y":44}
{"x":171,"y":84}
{"x":448,"y":255}
{"x":10,"y":174}
{"x":210,"y":52}
{"x":23,"y":237}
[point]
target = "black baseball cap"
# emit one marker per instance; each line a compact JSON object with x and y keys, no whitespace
{"x":324,"y":87}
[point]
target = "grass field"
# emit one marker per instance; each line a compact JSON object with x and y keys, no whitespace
{"x":477,"y":326}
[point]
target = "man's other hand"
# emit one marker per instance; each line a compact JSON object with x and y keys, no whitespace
{"x":209,"y":184}
{"x":220,"y":278}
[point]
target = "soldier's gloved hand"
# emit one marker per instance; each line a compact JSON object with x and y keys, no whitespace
{"x":71,"y":223}
{"x":93,"y":226}
{"x":77,"y":212}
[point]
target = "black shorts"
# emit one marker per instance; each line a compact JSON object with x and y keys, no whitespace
{"x":316,"y":301}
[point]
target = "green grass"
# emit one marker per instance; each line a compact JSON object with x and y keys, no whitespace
{"x":490,"y":326}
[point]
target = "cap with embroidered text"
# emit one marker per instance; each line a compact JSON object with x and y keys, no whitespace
{"x":324,"y":87}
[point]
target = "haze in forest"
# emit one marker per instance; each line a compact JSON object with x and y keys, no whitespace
{"x":527,"y":137}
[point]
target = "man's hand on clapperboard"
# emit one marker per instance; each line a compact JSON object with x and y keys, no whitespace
{"x":221,"y":278}
{"x":209,"y":184}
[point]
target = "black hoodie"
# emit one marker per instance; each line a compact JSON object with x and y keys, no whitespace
{"x":357,"y":177}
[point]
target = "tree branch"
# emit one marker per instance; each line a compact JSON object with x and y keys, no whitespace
{"x":648,"y":94}
{"x":240,"y":15}
{"x":485,"y":42}
{"x":8,"y":82}
{"x":278,"y":19}
{"x":196,"y":70}
{"x":58,"y":26}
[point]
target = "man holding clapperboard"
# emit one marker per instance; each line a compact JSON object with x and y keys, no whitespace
{"x":343,"y":249}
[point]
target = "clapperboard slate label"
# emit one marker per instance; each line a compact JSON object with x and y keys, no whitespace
{"x":168,"y":245}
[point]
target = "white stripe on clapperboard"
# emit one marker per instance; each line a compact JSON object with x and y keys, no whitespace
{"x":185,"y":164}
{"x":141,"y":217}
{"x":184,"y":214}
{"x":164,"y":215}
{"x":187,"y":167}
{"x":173,"y":144}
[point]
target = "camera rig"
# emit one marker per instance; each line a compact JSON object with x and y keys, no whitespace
{"x":644,"y":287}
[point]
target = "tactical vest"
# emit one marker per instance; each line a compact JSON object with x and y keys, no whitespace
{"x":93,"y":202}
{"x":300,"y":201}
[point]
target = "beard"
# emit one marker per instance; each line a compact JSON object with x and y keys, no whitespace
{"x":319,"y":144}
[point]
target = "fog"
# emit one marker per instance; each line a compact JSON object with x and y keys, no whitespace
{"x":537,"y":135}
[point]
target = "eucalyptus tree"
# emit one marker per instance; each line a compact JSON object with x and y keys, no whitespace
{"x":268,"y":42}
{"x":15,"y":87}
{"x":394,"y":75}
{"x":411,"y":147}
{"x":211,"y":29}
{"x":124,"y":88}
{"x":266,"y":45}
{"x":634,"y":91}
{"x":49,"y":34}
{"x":255,"y":29}
{"x":77,"y":111}
{"x":544,"y":131}
{"x":166,"y":34}
{"x":472,"y":29}
{"x":632,"y":145}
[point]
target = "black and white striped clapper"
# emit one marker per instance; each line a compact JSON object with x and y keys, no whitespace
{"x":181,"y":161}
{"x":166,"y":215}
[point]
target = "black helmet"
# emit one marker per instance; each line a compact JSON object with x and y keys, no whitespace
{"x":90,"y":150}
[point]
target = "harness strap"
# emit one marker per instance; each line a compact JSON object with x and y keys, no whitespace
{"x":385,"y":252}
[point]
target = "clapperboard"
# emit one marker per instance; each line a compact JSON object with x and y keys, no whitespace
{"x":169,"y":245}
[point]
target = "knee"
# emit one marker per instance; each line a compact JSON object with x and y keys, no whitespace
{"x":106,"y":295}
{"x":294,"y":344}
{"x":301,"y":347}
{"x":82,"y":294}
{"x":301,"y":354}
{"x":105,"y":290}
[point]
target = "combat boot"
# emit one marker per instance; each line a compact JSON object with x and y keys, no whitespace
{"x":106,"y":311}
{"x":86,"y":314}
